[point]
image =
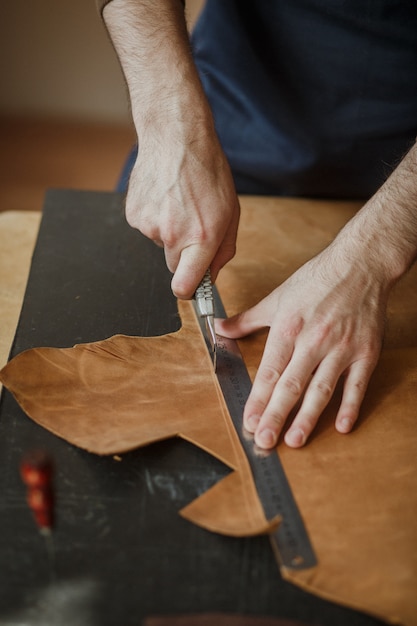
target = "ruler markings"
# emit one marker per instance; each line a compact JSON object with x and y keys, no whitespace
{"x":290,"y":541}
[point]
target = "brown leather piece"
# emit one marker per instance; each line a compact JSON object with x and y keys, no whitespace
{"x":107,"y":397}
{"x":357,"y":492}
{"x":218,"y":619}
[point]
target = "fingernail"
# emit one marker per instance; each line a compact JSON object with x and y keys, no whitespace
{"x":252,"y":423}
{"x":295,"y":437}
{"x":345,"y":425}
{"x":218,"y":324}
{"x":266,"y":439}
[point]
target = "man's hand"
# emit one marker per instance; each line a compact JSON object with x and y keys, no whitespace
{"x":181,"y":192}
{"x":326,"y":321}
{"x":181,"y":195}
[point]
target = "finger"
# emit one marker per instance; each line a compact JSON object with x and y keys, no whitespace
{"x":356,"y":383}
{"x":277,"y":354}
{"x":317,"y":397}
{"x":227,"y":248}
{"x":285,"y":395}
{"x":246,"y":322}
{"x":191,"y":267}
{"x":172,"y":258}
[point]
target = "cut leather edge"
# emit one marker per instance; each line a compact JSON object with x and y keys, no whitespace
{"x":254,"y":520}
{"x":220,"y":509}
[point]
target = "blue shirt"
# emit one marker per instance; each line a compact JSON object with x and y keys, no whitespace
{"x":310,"y":97}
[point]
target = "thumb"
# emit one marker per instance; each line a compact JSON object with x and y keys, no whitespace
{"x":191,"y":268}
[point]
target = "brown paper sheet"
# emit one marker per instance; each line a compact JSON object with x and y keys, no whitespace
{"x":357,"y":493}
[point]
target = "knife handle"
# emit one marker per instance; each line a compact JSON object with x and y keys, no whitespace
{"x":204,"y":295}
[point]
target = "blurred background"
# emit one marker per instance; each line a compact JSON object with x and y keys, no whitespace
{"x":64,"y":114}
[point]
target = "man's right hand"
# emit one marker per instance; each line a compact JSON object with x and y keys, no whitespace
{"x":181,"y":195}
{"x":181,"y":192}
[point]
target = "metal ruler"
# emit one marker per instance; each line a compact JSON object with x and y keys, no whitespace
{"x":290,"y":541}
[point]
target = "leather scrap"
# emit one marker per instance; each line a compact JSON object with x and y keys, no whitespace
{"x":107,"y":398}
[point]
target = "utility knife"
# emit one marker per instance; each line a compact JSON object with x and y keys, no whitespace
{"x":204,"y":306}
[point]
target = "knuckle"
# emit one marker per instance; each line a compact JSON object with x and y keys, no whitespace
{"x":360,"y":384}
{"x":307,"y":423}
{"x":321,"y":335}
{"x":175,"y":232}
{"x":291,"y":328}
{"x":324,"y":387}
{"x":228,"y":252}
{"x":255,"y":406}
{"x":269,"y":374}
{"x":148,"y":229}
{"x":131,"y":214}
{"x":275,"y":420}
{"x":293,"y":385}
{"x":139,"y":219}
{"x":169,"y":239}
{"x":370,"y":350}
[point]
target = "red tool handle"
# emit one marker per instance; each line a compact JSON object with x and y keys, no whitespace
{"x":36,"y":470}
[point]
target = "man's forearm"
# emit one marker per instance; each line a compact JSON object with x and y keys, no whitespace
{"x":152,"y":43}
{"x":384,"y":233}
{"x":181,"y":192}
{"x":102,"y":3}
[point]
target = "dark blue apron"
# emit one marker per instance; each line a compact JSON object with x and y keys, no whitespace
{"x":310,"y":97}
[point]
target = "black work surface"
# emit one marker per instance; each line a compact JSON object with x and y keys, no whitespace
{"x":120,"y":550}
